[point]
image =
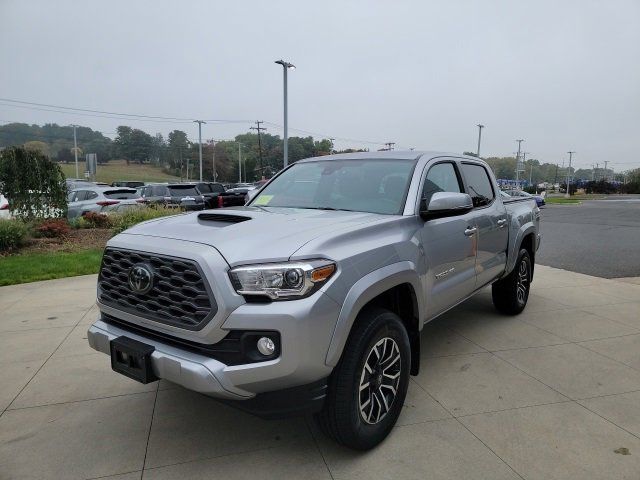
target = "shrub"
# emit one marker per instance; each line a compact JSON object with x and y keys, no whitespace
{"x":12,"y":234}
{"x":132,"y":217}
{"x":96,"y":220}
{"x":53,"y":228}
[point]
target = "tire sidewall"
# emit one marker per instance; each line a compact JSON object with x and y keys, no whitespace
{"x":386,"y":324}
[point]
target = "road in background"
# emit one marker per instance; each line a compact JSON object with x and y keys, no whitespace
{"x":598,"y":237}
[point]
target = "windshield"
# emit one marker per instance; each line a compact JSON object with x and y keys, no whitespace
{"x":363,"y":185}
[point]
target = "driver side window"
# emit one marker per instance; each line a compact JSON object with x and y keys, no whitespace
{"x":442,"y":177}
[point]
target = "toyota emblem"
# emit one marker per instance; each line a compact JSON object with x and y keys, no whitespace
{"x":140,"y":278}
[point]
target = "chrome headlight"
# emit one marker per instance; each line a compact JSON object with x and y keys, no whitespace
{"x":281,"y":281}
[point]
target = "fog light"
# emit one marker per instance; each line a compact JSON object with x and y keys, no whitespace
{"x":266,"y":346}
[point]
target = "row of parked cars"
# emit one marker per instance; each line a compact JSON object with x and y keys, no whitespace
{"x":123,"y":195}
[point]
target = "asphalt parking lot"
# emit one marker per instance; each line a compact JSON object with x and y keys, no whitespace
{"x":599,"y":237}
{"x":553,"y":393}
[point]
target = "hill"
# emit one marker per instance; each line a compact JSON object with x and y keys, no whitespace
{"x":119,"y":170}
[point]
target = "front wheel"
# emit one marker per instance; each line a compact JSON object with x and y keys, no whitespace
{"x":511,"y":293}
{"x":368,"y":386}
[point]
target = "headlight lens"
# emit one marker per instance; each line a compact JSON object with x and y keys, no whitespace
{"x":281,"y":281}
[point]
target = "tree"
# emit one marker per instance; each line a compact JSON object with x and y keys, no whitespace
{"x":37,"y":146}
{"x":34,"y":184}
{"x":65,"y":155}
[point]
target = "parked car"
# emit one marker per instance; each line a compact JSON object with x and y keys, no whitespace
{"x":75,"y":183}
{"x":123,"y":207}
{"x":94,"y":198}
{"x":4,"y":207}
{"x":522,"y":194}
{"x":127,"y":183}
{"x":184,"y":195}
{"x":216,"y":196}
{"x":312,"y":297}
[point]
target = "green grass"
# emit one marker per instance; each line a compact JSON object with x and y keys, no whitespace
{"x":119,"y":170}
{"x":562,"y":201}
{"x":32,"y":267}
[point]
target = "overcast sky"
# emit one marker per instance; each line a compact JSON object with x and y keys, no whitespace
{"x":563,"y":75}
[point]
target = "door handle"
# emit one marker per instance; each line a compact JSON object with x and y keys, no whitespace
{"x":502,"y":222}
{"x":470,"y":231}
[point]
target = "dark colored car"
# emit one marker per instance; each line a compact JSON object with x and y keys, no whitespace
{"x":215,"y":195}
{"x":128,"y":183}
{"x":184,"y":195}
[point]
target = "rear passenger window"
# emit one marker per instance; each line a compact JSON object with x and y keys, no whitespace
{"x":478,"y":184}
{"x":91,"y":195}
{"x":441,"y":177}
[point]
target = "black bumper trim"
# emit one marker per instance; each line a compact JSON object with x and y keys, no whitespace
{"x":290,"y":402}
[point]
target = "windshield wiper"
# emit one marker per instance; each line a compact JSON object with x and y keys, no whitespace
{"x":331,"y":209}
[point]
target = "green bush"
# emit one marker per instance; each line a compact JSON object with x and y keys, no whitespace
{"x":132,"y":217}
{"x":12,"y":234}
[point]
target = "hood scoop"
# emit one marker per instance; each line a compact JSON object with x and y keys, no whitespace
{"x":219,"y":217}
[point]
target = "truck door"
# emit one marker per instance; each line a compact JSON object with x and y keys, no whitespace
{"x":449,"y":246}
{"x":491,"y":223}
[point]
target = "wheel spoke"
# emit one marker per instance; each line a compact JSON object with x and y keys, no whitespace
{"x":379,"y":380}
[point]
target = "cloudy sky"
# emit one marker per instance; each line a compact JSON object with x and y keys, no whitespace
{"x":563,"y":75}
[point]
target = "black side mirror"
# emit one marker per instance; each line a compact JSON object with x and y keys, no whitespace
{"x":445,"y":204}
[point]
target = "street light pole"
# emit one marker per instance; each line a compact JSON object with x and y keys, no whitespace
{"x":517,"y":164}
{"x":200,"y":122}
{"x":239,"y":164}
{"x":285,"y":66}
{"x":75,"y":148}
{"x":568,"y":194}
{"x":480,"y":127}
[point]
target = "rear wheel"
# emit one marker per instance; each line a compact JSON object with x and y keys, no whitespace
{"x":368,"y":386}
{"x":510,"y":295}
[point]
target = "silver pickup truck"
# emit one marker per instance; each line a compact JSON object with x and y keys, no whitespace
{"x":311,"y":298}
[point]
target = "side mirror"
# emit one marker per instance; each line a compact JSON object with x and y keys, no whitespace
{"x":445,"y":204}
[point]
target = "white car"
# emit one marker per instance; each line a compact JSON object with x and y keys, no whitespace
{"x":4,"y":207}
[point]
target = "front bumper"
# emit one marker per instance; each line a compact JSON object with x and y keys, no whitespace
{"x":195,"y":372}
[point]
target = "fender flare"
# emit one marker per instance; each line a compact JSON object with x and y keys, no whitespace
{"x":514,"y":247}
{"x":363,"y":291}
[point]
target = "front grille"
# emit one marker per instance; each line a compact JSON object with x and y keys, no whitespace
{"x":179,"y":295}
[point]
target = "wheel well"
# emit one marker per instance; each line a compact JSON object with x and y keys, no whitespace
{"x":528,"y":243}
{"x":402,"y":301}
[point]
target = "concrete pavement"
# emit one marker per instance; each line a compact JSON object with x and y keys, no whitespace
{"x":551,"y":394}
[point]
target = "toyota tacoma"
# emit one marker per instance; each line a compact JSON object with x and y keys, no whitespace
{"x":311,"y":298}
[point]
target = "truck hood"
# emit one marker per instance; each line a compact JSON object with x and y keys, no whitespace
{"x":246,"y":235}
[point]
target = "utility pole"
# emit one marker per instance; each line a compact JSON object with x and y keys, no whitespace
{"x":518,"y":164}
{"x":568,"y":194}
{"x":555,"y":180}
{"x":480,"y":127}
{"x":181,"y":164}
{"x":606,"y":172}
{"x":593,"y":172}
{"x":200,"y":122}
{"x":389,"y":145}
{"x":75,"y":148}
{"x":259,"y":129}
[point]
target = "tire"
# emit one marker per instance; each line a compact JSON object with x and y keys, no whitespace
{"x":511,"y":293}
{"x":362,"y":418}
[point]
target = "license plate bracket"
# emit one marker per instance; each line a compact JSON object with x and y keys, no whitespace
{"x":132,"y":359}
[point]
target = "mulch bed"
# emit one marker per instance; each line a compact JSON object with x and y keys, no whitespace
{"x":80,"y":239}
